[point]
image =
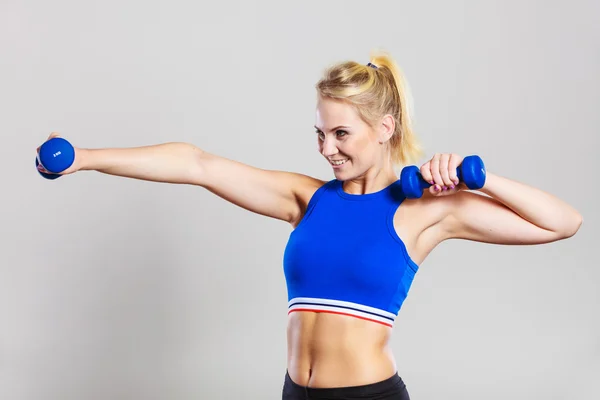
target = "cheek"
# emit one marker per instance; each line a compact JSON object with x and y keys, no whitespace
{"x":363,"y":147}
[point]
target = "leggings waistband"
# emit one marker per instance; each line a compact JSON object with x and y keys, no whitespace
{"x":391,"y":385}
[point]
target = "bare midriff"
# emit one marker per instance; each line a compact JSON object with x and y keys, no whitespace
{"x":329,"y":350}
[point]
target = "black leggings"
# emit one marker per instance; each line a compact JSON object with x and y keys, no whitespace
{"x":392,"y":388}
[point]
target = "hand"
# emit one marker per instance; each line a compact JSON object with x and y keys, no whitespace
{"x":76,"y":166}
{"x":440,"y":172}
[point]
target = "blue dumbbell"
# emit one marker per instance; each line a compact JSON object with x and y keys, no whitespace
{"x":55,"y":155}
{"x":471,"y":171}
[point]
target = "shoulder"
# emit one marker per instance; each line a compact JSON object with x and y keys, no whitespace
{"x":305,"y":187}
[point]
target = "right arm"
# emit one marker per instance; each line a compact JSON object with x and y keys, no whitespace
{"x":277,"y":194}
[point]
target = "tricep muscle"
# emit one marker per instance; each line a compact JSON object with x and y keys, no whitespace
{"x":484,"y":219}
{"x":276,"y":194}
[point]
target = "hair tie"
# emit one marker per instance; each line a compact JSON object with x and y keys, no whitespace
{"x":372,"y":65}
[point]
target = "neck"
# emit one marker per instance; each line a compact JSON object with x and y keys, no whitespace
{"x":373,"y":180}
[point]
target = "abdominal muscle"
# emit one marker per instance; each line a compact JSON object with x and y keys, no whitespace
{"x":329,"y":350}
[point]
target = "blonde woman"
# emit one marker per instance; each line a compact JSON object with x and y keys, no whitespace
{"x":356,"y":241}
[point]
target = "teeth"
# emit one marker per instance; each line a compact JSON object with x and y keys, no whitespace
{"x":338,"y":162}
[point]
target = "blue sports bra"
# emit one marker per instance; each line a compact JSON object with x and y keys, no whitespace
{"x":345,"y":256}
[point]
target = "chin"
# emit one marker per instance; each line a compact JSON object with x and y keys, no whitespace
{"x":342,"y":175}
{"x":339,"y":176}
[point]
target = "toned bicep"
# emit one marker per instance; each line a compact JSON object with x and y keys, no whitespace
{"x":275,"y":194}
{"x":473,"y":216}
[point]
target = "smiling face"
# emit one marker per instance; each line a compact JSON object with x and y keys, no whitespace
{"x":349,"y":144}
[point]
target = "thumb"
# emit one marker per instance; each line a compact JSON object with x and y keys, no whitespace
{"x":435,"y":189}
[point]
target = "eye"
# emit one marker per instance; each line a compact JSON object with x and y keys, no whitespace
{"x":339,"y":133}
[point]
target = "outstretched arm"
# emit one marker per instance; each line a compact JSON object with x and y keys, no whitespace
{"x":514,"y":213}
{"x":173,"y":162}
{"x":277,"y":194}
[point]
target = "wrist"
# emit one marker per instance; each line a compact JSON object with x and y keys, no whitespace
{"x":82,"y":160}
{"x":490,"y":183}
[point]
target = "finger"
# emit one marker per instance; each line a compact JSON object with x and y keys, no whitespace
{"x":444,"y":172}
{"x":426,"y":173}
{"x":435,"y":171}
{"x":41,"y":168}
{"x":453,"y":164}
{"x":427,"y":177}
{"x":436,"y":189}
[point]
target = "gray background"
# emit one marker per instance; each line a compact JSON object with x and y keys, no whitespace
{"x":112,"y":288}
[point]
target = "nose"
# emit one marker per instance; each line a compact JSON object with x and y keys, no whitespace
{"x":328,"y":147}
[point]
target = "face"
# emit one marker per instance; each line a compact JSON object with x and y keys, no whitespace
{"x":348,"y":143}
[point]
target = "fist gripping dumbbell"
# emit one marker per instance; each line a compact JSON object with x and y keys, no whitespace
{"x":471,"y":171}
{"x":55,"y":155}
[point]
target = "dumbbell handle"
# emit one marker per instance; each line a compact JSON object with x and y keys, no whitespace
{"x":471,"y":172}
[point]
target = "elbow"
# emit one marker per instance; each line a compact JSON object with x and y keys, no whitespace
{"x":197,"y":165}
{"x":189,"y":159}
{"x":572,"y":227}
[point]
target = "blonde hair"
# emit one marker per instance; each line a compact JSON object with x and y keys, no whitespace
{"x":376,"y":91}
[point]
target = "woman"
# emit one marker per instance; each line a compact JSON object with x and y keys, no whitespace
{"x":357,"y":241}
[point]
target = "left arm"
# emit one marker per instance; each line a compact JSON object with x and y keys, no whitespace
{"x":514,"y":213}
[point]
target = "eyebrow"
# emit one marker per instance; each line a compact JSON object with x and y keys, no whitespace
{"x":334,"y":129}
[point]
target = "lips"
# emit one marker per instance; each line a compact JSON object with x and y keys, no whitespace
{"x":338,"y":163}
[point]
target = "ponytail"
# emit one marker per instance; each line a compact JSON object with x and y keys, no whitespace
{"x":376,"y":89}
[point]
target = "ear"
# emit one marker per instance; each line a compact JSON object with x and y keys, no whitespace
{"x":386,"y":128}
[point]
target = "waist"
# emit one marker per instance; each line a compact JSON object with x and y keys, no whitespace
{"x":332,"y":350}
